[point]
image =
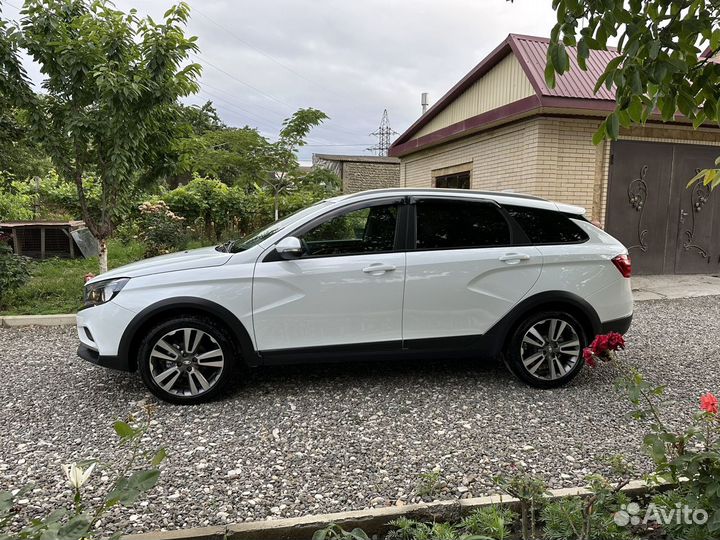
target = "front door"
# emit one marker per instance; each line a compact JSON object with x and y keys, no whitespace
{"x":345,"y":289}
{"x":464,"y":273}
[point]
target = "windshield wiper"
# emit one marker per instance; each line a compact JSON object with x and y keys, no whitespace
{"x":226,"y":247}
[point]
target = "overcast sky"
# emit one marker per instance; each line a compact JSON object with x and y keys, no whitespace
{"x":265,"y":59}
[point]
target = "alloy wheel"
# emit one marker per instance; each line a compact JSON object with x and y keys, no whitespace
{"x":550,"y":349}
{"x":186,"y":362}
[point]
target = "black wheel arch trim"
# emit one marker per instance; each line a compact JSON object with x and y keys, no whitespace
{"x":495,"y":338}
{"x":239,"y":332}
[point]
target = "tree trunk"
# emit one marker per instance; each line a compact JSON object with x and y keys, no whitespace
{"x":102,"y":242}
{"x":277,"y":205}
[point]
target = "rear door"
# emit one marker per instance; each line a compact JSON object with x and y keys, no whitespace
{"x":463,"y":271}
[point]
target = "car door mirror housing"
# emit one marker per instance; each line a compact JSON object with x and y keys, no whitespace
{"x":289,"y":247}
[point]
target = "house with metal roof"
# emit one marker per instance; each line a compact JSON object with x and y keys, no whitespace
{"x":502,"y":128}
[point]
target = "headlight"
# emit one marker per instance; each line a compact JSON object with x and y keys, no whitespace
{"x":103,"y":291}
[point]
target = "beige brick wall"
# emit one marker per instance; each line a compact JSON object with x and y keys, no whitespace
{"x":359,"y":176}
{"x":548,"y":157}
{"x":551,"y":158}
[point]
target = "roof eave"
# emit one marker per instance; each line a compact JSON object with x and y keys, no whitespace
{"x":485,"y":65}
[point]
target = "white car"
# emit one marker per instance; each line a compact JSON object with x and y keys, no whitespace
{"x":428,"y":272}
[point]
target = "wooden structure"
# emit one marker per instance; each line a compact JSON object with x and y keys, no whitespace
{"x":43,"y":239}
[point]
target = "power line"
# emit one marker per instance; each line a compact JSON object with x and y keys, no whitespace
{"x":221,"y":70}
{"x":257,"y":49}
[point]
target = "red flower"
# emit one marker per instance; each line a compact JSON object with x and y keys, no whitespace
{"x":589,"y":357}
{"x":599,"y":345}
{"x":709,"y":403}
{"x":615,"y":341}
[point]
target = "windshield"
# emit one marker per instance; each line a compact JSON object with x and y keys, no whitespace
{"x":254,"y":238}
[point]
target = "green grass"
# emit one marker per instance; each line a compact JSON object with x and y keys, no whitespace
{"x":56,"y":285}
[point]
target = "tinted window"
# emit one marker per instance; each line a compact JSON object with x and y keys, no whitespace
{"x":454,"y":181}
{"x":459,"y":224}
{"x":365,"y":230}
{"x":546,"y":226}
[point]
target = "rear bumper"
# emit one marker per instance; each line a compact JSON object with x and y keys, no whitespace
{"x":620,"y":325}
{"x":112,"y":362}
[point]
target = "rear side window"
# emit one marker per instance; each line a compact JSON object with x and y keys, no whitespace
{"x":448,"y":224}
{"x":547,"y":227}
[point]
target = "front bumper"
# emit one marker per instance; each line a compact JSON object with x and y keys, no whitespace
{"x":112,"y":362}
{"x":620,"y":325}
{"x":100,"y":330}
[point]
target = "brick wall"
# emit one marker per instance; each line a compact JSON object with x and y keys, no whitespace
{"x":548,"y":157}
{"x":359,"y":176}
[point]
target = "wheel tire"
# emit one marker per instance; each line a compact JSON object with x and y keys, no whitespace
{"x":554,"y":368}
{"x":195,"y":369}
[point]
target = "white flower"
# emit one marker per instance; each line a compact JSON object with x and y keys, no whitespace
{"x":76,"y":475}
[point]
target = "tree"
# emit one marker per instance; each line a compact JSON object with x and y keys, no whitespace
{"x":281,"y":157}
{"x":664,"y":63}
{"x":112,"y":81}
{"x":236,"y":156}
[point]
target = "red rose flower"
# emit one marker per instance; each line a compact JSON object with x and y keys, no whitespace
{"x":709,"y":403}
{"x":589,"y":357}
{"x":599,"y":345}
{"x":615,"y":341}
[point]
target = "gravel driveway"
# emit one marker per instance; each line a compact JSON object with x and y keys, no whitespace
{"x":295,"y":441}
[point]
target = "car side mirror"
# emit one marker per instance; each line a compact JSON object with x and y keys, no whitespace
{"x":289,"y":247}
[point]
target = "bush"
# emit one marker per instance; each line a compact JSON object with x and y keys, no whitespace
{"x":161,"y":230}
{"x":14,"y":271}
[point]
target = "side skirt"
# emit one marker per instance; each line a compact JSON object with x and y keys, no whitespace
{"x":452,"y":347}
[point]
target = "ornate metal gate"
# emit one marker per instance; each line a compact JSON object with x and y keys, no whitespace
{"x":667,"y":227}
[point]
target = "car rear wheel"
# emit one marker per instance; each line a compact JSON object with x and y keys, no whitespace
{"x":186,"y":360}
{"x":545,"y":350}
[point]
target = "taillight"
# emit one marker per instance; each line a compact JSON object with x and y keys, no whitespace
{"x":622,"y":263}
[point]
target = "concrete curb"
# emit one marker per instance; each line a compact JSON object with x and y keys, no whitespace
{"x":38,"y":320}
{"x":373,"y":521}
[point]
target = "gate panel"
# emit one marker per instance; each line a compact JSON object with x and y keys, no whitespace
{"x":696,"y":212}
{"x":637,"y":203}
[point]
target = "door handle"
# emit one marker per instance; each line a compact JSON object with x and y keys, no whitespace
{"x":378,"y":268}
{"x":514,"y":258}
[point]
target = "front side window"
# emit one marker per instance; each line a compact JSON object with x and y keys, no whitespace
{"x":546,"y":226}
{"x":365,"y":230}
{"x":452,"y":224}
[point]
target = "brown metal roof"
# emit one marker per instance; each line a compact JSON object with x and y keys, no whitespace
{"x":576,"y":83}
{"x":574,"y":89}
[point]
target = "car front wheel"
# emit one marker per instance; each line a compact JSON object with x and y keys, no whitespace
{"x":186,"y":360}
{"x":545,"y":350}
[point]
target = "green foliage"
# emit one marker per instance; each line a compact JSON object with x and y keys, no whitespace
{"x":14,"y":271}
{"x":112,"y":82}
{"x":129,"y":483}
{"x":237,"y":156}
{"x":160,"y":229}
{"x":203,"y":202}
{"x":661,"y":67}
{"x":280,"y":157}
{"x":429,"y":484}
{"x":14,"y":205}
{"x":688,"y":458}
{"x":56,"y":285}
{"x":491,"y":521}
{"x":320,"y":180}
{"x":530,"y":490}
{"x":335,"y":532}
{"x":568,"y":518}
